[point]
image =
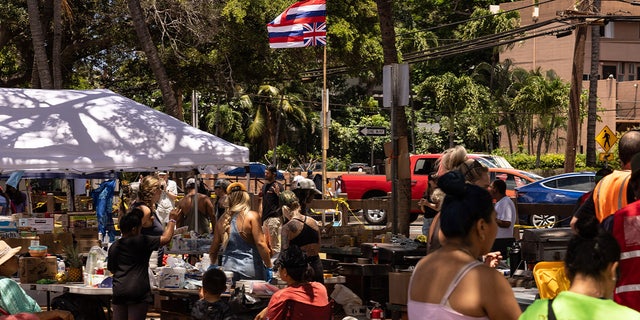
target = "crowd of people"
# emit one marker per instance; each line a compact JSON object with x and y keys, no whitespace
{"x":469,"y":223}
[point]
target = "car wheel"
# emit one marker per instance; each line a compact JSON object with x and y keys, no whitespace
{"x":543,"y":221}
{"x":375,"y":216}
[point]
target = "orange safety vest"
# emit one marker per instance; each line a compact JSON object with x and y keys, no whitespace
{"x":610,"y":194}
{"x":626,"y":230}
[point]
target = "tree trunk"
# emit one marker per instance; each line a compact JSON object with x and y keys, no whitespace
{"x":57,"y":44}
{"x":398,"y":123}
{"x":155,"y":63}
{"x":39,"y":49}
{"x":593,"y":91}
{"x":574,"y":99}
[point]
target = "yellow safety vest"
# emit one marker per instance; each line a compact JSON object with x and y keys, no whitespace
{"x":610,"y":194}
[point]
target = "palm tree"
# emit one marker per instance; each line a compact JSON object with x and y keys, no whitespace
{"x":270,"y":108}
{"x":144,"y":37}
{"x":38,"y":38}
{"x":452,"y":95}
{"x":547,"y":96}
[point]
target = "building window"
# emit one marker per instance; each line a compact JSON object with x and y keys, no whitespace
{"x":609,"y":71}
{"x":606,"y":31}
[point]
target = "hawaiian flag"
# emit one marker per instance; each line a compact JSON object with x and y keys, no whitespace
{"x":303,"y":24}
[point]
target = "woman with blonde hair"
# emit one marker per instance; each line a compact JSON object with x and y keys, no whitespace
{"x":149,"y":193}
{"x":239,"y":234}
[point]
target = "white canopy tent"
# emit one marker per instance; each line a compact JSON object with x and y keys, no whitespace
{"x":86,"y":131}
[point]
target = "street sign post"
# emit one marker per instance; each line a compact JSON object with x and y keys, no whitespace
{"x":605,"y":156}
{"x":372,"y":131}
{"x":606,"y":139}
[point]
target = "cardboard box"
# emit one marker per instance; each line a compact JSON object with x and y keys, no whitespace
{"x":398,"y":287}
{"x":40,"y":225}
{"x":60,"y":219}
{"x":56,"y":242}
{"x":79,"y":220}
{"x":84,"y":234}
{"x":84,"y":246}
{"x":32,"y":269}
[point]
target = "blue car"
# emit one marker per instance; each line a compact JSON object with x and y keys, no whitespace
{"x":542,"y":203}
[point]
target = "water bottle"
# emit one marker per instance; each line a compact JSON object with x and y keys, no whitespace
{"x":514,"y":257}
{"x":61,"y":266}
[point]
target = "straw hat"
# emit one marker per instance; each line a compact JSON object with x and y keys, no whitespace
{"x":6,"y":252}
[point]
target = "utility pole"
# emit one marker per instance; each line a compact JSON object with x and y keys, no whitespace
{"x":574,"y":95}
{"x":593,"y":90}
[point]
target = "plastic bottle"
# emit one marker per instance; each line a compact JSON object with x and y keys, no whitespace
{"x":205,"y":261}
{"x":61,"y":266}
{"x":375,"y":250}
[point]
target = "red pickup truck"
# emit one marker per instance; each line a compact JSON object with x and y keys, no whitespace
{"x":365,"y":186}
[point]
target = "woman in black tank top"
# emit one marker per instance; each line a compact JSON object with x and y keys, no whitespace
{"x":302,"y":232}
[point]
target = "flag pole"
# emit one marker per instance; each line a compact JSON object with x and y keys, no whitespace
{"x":325,"y":120}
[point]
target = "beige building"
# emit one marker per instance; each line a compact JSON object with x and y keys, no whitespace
{"x":619,"y":66}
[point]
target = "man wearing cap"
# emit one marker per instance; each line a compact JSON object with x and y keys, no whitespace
{"x":167,"y":197}
{"x":220,"y":189}
{"x":204,"y":215}
{"x":305,"y":190}
{"x":626,"y":229}
{"x":271,"y":210}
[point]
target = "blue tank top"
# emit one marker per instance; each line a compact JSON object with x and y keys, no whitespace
{"x":241,"y":257}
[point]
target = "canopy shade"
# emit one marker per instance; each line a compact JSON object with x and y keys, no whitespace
{"x":76,"y":131}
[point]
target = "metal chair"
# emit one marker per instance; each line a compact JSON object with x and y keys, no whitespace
{"x":302,"y":311}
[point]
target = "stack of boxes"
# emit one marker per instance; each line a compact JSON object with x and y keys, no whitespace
{"x":56,"y":233}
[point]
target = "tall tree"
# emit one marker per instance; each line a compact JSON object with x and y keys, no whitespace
{"x":452,"y":94}
{"x":270,"y":109}
{"x":144,"y":37}
{"x":39,"y":46}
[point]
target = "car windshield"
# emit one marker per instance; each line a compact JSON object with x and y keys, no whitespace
{"x":486,"y":162}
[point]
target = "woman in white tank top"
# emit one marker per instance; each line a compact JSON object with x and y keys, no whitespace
{"x":451,"y":283}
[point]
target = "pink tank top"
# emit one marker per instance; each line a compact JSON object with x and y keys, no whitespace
{"x":423,"y":310}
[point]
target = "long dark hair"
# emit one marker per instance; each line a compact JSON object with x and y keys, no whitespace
{"x":591,"y":254}
{"x":463,"y":205}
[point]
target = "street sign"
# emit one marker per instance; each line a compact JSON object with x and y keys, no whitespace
{"x":605,"y":156}
{"x":606,"y":138}
{"x":372,"y":131}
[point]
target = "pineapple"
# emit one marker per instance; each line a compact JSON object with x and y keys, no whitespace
{"x":74,"y":262}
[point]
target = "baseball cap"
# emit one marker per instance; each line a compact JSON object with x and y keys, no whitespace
{"x":162,"y":173}
{"x":191,"y":183}
{"x":236,"y":186}
{"x":307,"y":184}
{"x":221,"y":183}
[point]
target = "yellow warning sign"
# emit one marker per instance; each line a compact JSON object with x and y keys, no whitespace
{"x":605,"y":156}
{"x":606,"y":138}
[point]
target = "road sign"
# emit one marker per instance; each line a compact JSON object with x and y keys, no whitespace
{"x":605,"y":156}
{"x":606,"y":138}
{"x":372,"y":131}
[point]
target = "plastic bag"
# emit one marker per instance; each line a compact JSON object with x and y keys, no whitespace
{"x":97,"y":259}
